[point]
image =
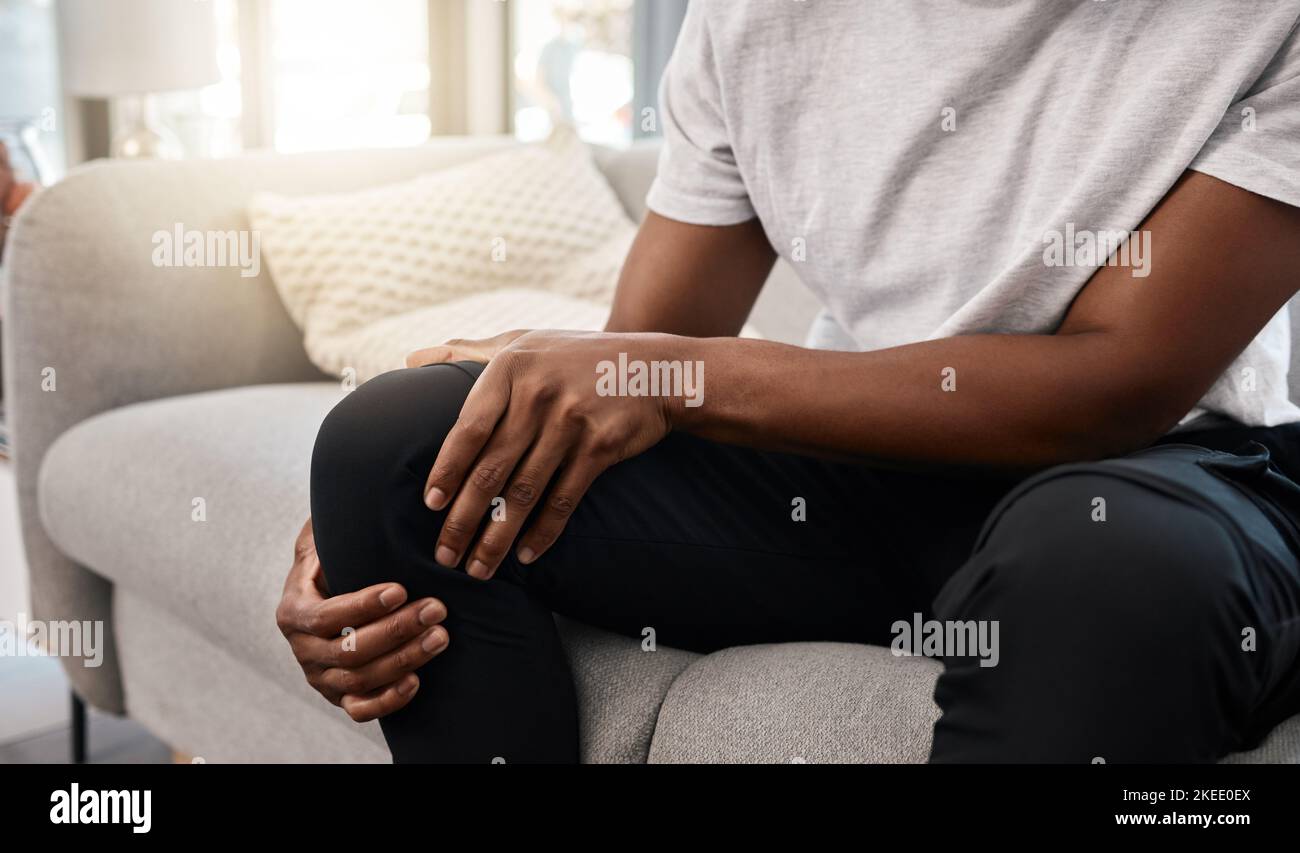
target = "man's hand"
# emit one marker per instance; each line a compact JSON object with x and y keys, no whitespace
{"x":461,"y":350}
{"x":534,"y":419}
{"x":369,"y":671}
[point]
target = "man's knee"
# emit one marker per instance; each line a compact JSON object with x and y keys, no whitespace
{"x":369,"y":465}
{"x":396,"y":421}
{"x":1117,"y":605}
{"x":1095,"y":547}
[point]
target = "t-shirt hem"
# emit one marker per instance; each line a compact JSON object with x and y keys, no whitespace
{"x":697,"y":210}
{"x":1248,"y":177}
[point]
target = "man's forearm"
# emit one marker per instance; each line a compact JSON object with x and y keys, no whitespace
{"x":1009,"y":401}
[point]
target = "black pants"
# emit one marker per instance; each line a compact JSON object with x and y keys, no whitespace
{"x":1147,"y":608}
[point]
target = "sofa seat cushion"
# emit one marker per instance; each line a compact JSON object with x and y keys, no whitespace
{"x":799,"y":702}
{"x":192,"y":503}
{"x":827,"y":702}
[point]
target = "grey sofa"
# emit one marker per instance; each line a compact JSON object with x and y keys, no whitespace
{"x":177,"y":384}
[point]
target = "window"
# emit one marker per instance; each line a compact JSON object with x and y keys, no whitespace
{"x":573,"y":63}
{"x":301,"y":75}
{"x":339,"y":74}
{"x":29,"y":68}
{"x":349,"y":75}
{"x":206,"y":122}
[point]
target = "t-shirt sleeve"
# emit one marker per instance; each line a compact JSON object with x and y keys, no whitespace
{"x":1257,"y":144}
{"x":698,"y":179}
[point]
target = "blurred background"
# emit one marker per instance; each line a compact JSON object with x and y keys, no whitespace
{"x":218,"y":77}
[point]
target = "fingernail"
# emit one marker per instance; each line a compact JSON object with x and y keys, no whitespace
{"x":390,"y":597}
{"x":409,"y":686}
{"x":445,"y":556}
{"x":432,"y":640}
{"x":430,"y":613}
{"x":478,"y":569}
{"x":435,"y":498}
{"x":526,"y":555}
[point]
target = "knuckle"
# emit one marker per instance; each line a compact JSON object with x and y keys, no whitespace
{"x":547,"y":391}
{"x":573,"y":416}
{"x":487,"y":476}
{"x":300,"y":652}
{"x":456,"y":528}
{"x":523,"y":492}
{"x":491,"y":549}
{"x":441,"y":473}
{"x":477,"y":429}
{"x":605,"y":443}
{"x":314,"y":623}
{"x":394,"y":630}
{"x":332,"y":681}
{"x":562,"y":504}
{"x":349,"y":681}
{"x":332,"y":657}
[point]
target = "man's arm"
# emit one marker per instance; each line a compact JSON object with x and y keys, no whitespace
{"x":1132,"y":356}
{"x":693,"y":280}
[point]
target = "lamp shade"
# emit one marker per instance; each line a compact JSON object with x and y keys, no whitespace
{"x":135,"y":47}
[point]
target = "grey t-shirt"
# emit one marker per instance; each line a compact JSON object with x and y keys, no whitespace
{"x":938,"y":167}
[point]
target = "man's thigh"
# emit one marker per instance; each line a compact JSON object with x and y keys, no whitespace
{"x":711,"y":545}
{"x":1126,"y":594}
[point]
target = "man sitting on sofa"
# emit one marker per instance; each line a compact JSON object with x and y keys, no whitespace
{"x":1084,"y":443}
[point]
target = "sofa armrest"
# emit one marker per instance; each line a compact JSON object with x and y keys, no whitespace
{"x":91,"y":324}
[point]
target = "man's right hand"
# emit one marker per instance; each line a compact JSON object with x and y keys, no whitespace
{"x":369,"y":671}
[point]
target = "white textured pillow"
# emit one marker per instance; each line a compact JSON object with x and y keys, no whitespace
{"x":370,"y":275}
{"x":383,"y":345}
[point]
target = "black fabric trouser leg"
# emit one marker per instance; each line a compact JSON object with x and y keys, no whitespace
{"x":1116,"y":637}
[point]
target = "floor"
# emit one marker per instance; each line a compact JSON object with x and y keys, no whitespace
{"x":34,"y":699}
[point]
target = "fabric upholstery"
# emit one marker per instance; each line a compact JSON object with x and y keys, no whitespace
{"x":82,"y":297}
{"x":191,"y":692}
{"x":826,"y":702}
{"x":117,"y":492}
{"x":365,"y":273}
{"x":799,"y":702}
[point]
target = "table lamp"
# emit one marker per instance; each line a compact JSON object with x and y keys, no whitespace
{"x":129,"y":50}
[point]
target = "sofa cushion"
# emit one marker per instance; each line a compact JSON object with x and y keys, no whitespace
{"x":123,"y":494}
{"x":799,"y":702}
{"x":531,"y":218}
{"x":827,"y":702}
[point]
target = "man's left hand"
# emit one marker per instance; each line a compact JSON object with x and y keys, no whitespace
{"x":535,"y":420}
